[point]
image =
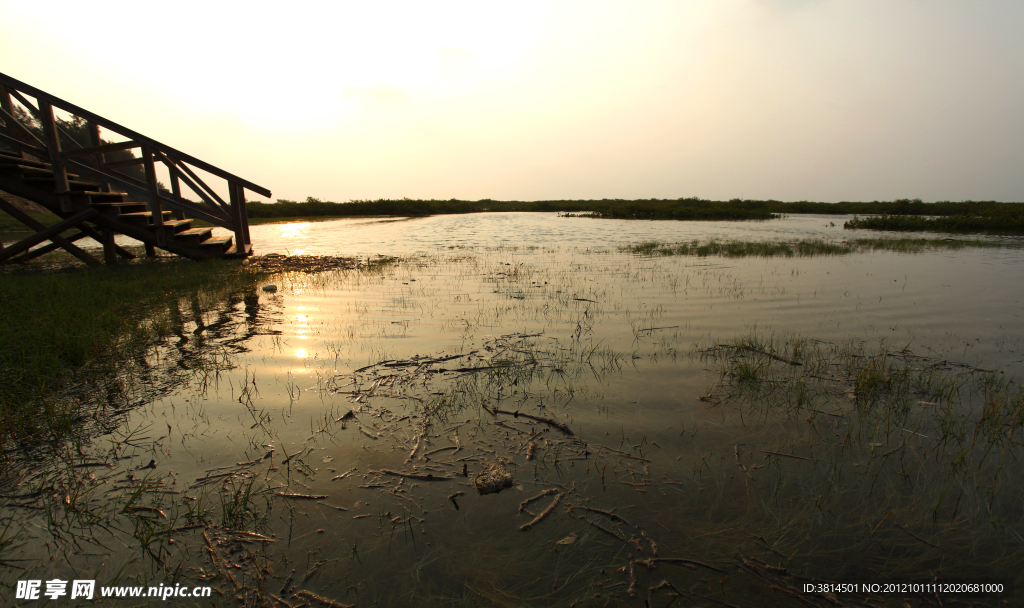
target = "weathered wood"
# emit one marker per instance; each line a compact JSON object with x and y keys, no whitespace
{"x":154,"y":197}
{"x":18,"y":85}
{"x":51,"y":233}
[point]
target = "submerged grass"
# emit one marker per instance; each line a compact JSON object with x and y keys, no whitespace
{"x":804,"y":248}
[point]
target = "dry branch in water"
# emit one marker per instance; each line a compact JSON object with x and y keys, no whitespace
{"x":543,"y":514}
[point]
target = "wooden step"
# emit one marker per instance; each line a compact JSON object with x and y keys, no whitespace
{"x":30,"y":172}
{"x":144,"y":217}
{"x":220,"y":244}
{"x":120,"y":207}
{"x":49,"y":183}
{"x":234,"y":252}
{"x":193,"y":235}
{"x":101,"y":198}
{"x":18,"y":161}
{"x":176,"y":227}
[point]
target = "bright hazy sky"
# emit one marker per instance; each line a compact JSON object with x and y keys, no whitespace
{"x":784,"y":99}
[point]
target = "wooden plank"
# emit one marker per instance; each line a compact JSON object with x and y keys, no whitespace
{"x":128,"y":133}
{"x":154,"y":197}
{"x":51,"y":233}
{"x":60,"y":174}
{"x":102,"y":148}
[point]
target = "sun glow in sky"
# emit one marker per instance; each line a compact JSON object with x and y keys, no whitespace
{"x":785,"y":99}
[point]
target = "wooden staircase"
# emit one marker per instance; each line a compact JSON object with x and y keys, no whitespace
{"x":99,"y":201}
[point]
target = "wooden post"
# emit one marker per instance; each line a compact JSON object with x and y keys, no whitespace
{"x":154,"y":197}
{"x":176,"y":190}
{"x":239,"y":217}
{"x":60,"y":174}
{"x":109,"y":251}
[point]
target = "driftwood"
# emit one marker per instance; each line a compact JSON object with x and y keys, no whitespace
{"x":558,"y":425}
{"x":547,"y":492}
{"x":543,"y":514}
{"x":322,"y":601}
{"x":302,"y":496}
{"x":417,"y":476}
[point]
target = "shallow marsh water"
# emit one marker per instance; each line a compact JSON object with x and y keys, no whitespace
{"x":692,"y":437}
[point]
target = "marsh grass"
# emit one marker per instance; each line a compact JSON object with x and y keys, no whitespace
{"x":873,"y":460}
{"x":69,"y":336}
{"x":805,"y":248}
{"x":1004,"y":223}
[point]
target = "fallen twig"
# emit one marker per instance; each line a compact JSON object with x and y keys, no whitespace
{"x":543,"y":514}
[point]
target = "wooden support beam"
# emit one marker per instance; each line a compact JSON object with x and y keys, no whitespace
{"x":109,"y":254}
{"x":98,"y":237}
{"x":154,"y":197}
{"x":101,"y":148}
{"x":35,"y":253}
{"x":52,"y":233}
{"x":175,"y":185}
{"x":128,"y":162}
{"x":60,"y":174}
{"x":239,"y":216}
{"x":204,"y":192}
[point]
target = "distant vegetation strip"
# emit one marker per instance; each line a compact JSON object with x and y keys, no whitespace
{"x":653,"y":209}
{"x":803,"y":248}
{"x":1004,"y":223}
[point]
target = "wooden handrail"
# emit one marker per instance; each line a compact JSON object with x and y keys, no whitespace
{"x":125,"y":132}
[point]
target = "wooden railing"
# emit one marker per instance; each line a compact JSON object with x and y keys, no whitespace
{"x":90,"y":161}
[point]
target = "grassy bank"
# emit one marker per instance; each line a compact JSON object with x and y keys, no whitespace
{"x":69,"y":334}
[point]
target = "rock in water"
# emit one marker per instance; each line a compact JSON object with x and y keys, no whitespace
{"x":270,"y":288}
{"x":494,"y":478}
